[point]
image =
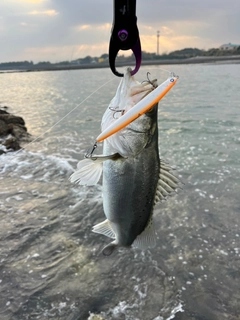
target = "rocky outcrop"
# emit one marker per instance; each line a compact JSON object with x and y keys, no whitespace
{"x":12,"y":131}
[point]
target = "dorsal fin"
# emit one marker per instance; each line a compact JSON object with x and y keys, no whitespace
{"x":167,"y":183}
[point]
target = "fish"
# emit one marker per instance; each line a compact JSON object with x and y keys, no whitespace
{"x":134,"y":178}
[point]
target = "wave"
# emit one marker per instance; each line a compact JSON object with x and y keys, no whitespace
{"x":28,"y":165}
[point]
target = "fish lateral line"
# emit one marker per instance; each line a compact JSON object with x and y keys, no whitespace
{"x":140,"y":108}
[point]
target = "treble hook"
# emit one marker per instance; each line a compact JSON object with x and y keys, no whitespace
{"x":90,"y":154}
{"x":125,"y":34}
{"x":152,"y":82}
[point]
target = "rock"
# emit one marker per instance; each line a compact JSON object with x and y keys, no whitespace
{"x":18,"y":131}
{"x":12,"y":130}
{"x":2,"y":111}
{"x":4,"y":129}
{"x":12,"y":143}
{"x":10,"y":118}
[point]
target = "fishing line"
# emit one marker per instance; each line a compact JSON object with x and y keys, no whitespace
{"x":165,"y":70}
{"x":66,"y":115}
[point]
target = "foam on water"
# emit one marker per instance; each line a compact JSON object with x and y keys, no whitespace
{"x":51,"y":266}
{"x":27,"y":165}
{"x":174,"y":311}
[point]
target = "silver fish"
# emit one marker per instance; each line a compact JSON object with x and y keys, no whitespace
{"x":134,"y":177}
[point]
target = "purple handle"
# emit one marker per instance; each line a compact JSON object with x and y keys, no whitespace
{"x":138,"y":56}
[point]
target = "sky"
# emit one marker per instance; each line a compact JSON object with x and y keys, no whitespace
{"x":58,"y":30}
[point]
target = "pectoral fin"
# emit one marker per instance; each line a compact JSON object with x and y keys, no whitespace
{"x":89,"y":170}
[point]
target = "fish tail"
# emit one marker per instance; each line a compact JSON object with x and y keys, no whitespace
{"x":108,"y":250}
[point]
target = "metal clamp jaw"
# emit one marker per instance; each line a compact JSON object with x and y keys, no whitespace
{"x":125,"y":34}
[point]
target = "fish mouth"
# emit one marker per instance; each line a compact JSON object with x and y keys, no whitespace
{"x":131,"y":92}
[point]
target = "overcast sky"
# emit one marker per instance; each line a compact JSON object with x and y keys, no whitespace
{"x":56,"y":30}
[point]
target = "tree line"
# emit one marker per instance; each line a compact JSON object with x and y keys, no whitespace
{"x":178,"y":54}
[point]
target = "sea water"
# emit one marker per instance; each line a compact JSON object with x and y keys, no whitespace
{"x":51,"y":265}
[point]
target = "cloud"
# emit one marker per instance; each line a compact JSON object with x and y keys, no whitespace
{"x":46,"y":12}
{"x":32,"y":1}
{"x":168,"y":43}
{"x":100,"y":27}
{"x":62,"y":53}
{"x":85,"y":27}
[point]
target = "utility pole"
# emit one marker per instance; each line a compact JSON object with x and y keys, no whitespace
{"x":158,"y":35}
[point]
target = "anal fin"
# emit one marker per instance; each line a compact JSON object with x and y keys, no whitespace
{"x":147,"y":239}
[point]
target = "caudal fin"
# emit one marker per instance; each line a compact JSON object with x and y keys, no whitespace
{"x":108,"y":250}
{"x":88,"y":172}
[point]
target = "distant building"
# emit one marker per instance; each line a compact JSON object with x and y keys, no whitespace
{"x":229,"y":46}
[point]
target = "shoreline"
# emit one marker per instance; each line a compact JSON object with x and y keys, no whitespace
{"x":194,"y":60}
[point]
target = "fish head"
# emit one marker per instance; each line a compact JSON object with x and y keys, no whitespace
{"x":131,"y":140}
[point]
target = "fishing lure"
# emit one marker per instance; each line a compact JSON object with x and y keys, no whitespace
{"x":140,"y":108}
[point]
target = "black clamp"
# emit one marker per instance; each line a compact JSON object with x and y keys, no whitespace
{"x":125,"y":34}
